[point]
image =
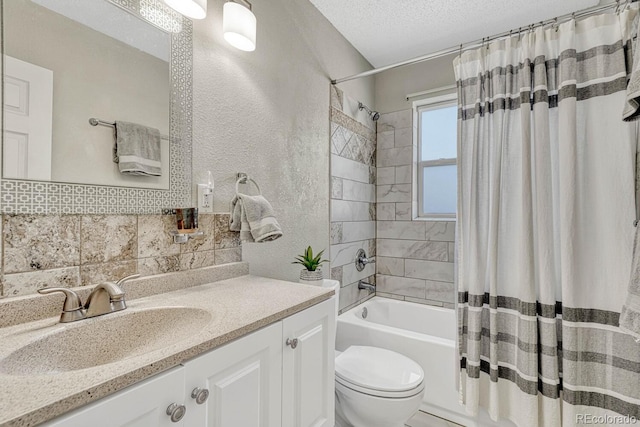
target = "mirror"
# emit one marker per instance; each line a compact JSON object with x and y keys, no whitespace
{"x":68,"y":61}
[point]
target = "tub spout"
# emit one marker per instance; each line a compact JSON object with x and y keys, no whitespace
{"x":365,"y":285}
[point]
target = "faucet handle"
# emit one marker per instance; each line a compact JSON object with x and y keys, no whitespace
{"x":72,"y":300}
{"x":124,"y":279}
{"x":362,"y":260}
{"x":72,"y":307}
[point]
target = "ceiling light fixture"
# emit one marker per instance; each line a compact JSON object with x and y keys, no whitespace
{"x":239,"y":25}
{"x":194,"y":9}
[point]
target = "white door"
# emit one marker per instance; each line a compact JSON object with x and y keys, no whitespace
{"x":308,"y":369}
{"x":141,"y":405}
{"x":28,"y":107}
{"x":244,"y":382}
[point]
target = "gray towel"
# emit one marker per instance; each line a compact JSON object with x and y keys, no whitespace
{"x":137,"y":149}
{"x":631,"y":110}
{"x":630,"y":316}
{"x":254,"y":218}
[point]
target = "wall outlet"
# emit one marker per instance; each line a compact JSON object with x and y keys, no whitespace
{"x":205,"y":198}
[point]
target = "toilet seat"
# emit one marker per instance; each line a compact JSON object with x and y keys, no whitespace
{"x":379,"y":372}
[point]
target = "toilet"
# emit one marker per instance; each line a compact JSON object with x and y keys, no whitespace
{"x":375,"y":387}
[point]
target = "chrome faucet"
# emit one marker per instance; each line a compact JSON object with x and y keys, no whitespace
{"x":105,"y":298}
{"x":362,"y":260}
{"x":366,"y":285}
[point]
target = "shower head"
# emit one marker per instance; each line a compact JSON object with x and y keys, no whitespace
{"x":373,"y":114}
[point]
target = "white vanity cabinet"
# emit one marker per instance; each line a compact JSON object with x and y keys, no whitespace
{"x":243,"y":379}
{"x":279,"y":376}
{"x":308,"y":369}
{"x":141,"y":405}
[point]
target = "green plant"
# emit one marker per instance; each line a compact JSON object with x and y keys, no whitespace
{"x":309,"y":261}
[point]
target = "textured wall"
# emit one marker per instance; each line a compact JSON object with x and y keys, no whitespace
{"x":267,"y":113}
{"x":353,"y":197}
{"x":415,"y":257}
{"x":393,"y":86}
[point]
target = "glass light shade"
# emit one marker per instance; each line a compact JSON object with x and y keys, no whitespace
{"x":195,"y":9}
{"x":239,"y":26}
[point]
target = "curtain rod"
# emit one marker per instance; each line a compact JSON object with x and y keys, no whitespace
{"x":480,"y":42}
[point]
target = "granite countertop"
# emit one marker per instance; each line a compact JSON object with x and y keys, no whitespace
{"x":237,"y":307}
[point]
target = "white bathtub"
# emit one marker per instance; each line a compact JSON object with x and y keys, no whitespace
{"x":424,"y":333}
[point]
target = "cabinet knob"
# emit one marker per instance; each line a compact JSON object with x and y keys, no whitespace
{"x":200,"y":395}
{"x":293,"y":343}
{"x":176,"y":412}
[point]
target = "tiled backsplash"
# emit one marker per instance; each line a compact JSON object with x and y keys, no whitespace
{"x":76,"y":250}
{"x":415,"y":257}
{"x":353,"y":174}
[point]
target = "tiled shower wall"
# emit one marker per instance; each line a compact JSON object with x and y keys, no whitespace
{"x":353,"y":174}
{"x":77,"y":250}
{"x":415,"y":257}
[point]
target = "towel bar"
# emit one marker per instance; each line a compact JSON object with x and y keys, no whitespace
{"x":243,"y":178}
{"x":95,"y":122}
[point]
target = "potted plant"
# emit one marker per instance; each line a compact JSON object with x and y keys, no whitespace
{"x":311,"y":273}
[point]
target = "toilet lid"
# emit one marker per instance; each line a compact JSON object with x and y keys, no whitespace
{"x":379,"y":369}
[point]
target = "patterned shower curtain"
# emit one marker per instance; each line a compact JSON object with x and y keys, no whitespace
{"x":545,"y":225}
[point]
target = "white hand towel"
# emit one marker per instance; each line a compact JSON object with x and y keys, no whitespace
{"x":238,"y":220}
{"x":137,"y":149}
{"x":253,"y":217}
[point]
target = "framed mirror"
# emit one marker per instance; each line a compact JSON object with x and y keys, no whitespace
{"x":68,"y":61}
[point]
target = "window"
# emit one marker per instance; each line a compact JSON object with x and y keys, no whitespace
{"x":437,"y":150}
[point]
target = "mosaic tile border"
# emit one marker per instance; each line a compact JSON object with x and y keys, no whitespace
{"x":41,"y":197}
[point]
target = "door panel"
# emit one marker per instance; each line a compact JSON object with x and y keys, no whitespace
{"x":141,"y":405}
{"x":28,"y":115}
{"x":244,"y":380}
{"x":308,"y":370}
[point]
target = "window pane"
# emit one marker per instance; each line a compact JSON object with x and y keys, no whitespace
{"x":438,"y":131}
{"x":439,"y":189}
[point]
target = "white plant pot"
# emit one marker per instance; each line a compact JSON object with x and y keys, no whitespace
{"x":311,"y":277}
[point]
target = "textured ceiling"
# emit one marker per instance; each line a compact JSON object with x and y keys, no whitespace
{"x":389,"y":31}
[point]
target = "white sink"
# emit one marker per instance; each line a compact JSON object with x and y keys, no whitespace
{"x":106,"y":339}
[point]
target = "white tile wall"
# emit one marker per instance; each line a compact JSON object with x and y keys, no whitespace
{"x":358,"y":231}
{"x":431,"y":270}
{"x":385,"y":211}
{"x":342,"y":210}
{"x":358,"y":191}
{"x":353,"y":198}
{"x":395,"y":157}
{"x":345,"y":253}
{"x":386,"y":176}
{"x":394,"y":193}
{"x":349,"y":169}
{"x":414,"y":230}
{"x":415,"y":257}
{"x":414,"y":249}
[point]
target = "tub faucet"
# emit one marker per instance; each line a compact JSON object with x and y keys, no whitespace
{"x":366,"y":285}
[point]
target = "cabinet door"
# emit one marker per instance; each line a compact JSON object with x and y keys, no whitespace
{"x":244,"y":382}
{"x":308,"y":369}
{"x":141,"y":405}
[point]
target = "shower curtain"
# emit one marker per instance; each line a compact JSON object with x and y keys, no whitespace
{"x":545,"y":225}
